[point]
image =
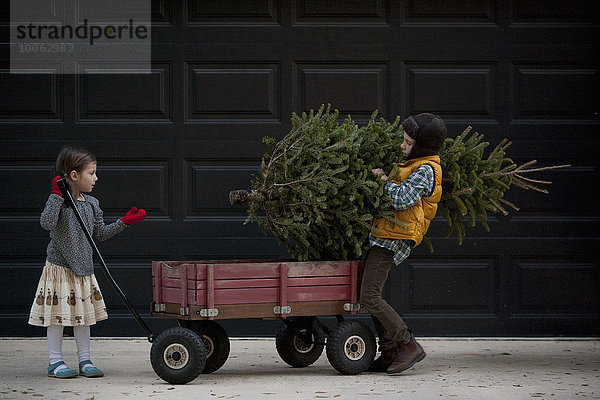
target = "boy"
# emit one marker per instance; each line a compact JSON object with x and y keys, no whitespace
{"x":415,"y":190}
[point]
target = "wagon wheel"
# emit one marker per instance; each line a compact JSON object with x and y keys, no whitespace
{"x":300,"y":343}
{"x":215,"y":340}
{"x":178,"y":355}
{"x":351,"y":347}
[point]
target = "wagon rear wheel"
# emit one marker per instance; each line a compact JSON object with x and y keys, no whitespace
{"x":178,"y":355}
{"x":351,"y":347}
{"x":300,"y":343}
{"x":215,"y":340}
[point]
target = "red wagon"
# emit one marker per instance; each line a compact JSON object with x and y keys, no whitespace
{"x":198,"y":293}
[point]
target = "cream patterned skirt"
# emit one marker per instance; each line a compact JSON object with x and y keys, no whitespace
{"x":63,"y":298}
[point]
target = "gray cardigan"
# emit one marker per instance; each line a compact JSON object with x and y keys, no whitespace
{"x":68,"y":245}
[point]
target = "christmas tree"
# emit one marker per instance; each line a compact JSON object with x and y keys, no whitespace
{"x":316,"y":193}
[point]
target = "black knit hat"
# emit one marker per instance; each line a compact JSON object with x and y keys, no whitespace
{"x":429,"y":133}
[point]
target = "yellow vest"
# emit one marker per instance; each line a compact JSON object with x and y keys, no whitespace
{"x":418,"y":217}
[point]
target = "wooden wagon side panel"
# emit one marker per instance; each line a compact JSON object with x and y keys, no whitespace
{"x":234,"y":289}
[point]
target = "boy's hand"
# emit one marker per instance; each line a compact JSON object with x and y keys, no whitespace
{"x":379,"y":172}
{"x":134,"y":215}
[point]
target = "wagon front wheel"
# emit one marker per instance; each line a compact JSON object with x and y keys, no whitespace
{"x":178,"y":355}
{"x":351,"y":347}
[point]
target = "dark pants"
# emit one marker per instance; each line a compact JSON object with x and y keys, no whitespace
{"x":391,"y":328}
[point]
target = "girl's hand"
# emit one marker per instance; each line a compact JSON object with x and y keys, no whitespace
{"x":134,"y":215}
{"x":379,"y":172}
{"x":55,"y":188}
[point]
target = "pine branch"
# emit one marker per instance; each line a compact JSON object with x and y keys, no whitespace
{"x":523,"y":171}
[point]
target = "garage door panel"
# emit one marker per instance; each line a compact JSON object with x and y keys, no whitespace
{"x":111,"y":94}
{"x":142,"y":183}
{"x":443,"y":287}
{"x":446,"y":11}
{"x":467,"y":90}
{"x":209,"y":184}
{"x":44,"y":99}
{"x":232,"y":91}
{"x":547,"y":286}
{"x":354,"y":88}
{"x":233,"y":12}
{"x":341,"y":12}
{"x":547,"y":92}
{"x":554,"y":11}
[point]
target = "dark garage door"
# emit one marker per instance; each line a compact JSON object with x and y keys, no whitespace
{"x":225,"y":74}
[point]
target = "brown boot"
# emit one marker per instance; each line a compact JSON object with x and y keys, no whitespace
{"x":409,"y":354}
{"x":384,"y":361}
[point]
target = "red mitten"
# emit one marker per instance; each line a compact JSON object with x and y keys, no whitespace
{"x":134,"y":215}
{"x":55,"y":188}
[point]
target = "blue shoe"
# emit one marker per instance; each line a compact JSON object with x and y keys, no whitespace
{"x":90,"y":371}
{"x":62,"y":373}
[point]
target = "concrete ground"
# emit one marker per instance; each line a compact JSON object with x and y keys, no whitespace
{"x":453,"y":369}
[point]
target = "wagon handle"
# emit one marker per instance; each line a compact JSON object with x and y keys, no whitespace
{"x":62,"y":184}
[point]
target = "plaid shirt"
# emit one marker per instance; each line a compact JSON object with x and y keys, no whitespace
{"x":419,"y":184}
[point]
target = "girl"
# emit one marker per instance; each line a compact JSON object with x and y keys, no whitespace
{"x":68,"y":293}
{"x":415,"y":190}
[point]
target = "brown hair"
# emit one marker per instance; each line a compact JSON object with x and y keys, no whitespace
{"x":72,"y":159}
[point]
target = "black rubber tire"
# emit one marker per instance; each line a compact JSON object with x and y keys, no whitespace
{"x":351,"y":347}
{"x":216,"y":342}
{"x":178,"y":355}
{"x":292,"y":348}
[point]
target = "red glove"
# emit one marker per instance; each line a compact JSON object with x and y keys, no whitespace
{"x":55,"y":188}
{"x":134,"y":215}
